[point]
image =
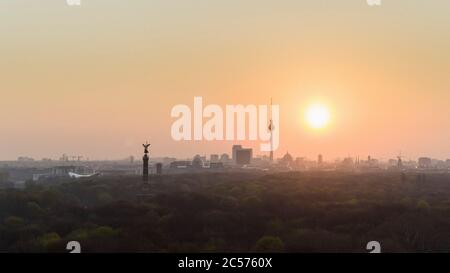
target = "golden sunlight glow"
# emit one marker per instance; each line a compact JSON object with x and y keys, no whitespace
{"x":317,"y":116}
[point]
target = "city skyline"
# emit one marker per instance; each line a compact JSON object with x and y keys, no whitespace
{"x":255,"y":155}
{"x":227,"y":134}
{"x":105,"y":83}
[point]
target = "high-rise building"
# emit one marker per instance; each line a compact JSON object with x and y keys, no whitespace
{"x":233,"y":151}
{"x":159,"y":168}
{"x":320,"y":160}
{"x":424,"y":162}
{"x":243,"y":156}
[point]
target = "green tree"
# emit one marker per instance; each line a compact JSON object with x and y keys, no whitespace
{"x":269,"y":244}
{"x":48,"y":239}
{"x":14,"y":222}
{"x":423,"y":205}
{"x":104,"y":232}
{"x":104,"y":198}
{"x":34,"y":210}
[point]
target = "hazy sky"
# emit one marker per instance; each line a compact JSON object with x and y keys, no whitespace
{"x":99,"y":79}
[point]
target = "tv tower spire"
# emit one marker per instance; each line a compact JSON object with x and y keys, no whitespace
{"x":270,"y":128}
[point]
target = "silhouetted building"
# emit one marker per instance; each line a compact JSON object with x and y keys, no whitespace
{"x":64,"y":158}
{"x":25,"y":159}
{"x":234,"y":151}
{"x":197,"y":162}
{"x":286,"y":160}
{"x":241,"y":156}
{"x":216,"y":165}
{"x":319,"y":160}
{"x":393,"y":162}
{"x":159,"y":168}
{"x":244,"y":156}
{"x":62,"y":170}
{"x":347,"y":163}
{"x":180,"y":164}
{"x":224,"y":158}
{"x":214,"y":158}
{"x":424,"y":162}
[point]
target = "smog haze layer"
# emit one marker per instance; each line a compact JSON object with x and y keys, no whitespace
{"x":101,"y":78}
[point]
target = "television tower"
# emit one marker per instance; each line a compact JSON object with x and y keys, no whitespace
{"x":271,"y":127}
{"x":145,"y":159}
{"x":399,"y":160}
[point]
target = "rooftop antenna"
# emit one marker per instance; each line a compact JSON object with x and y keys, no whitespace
{"x":399,"y":161}
{"x":271,"y":128}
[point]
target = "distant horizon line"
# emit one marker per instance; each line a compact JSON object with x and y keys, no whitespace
{"x":208,"y":156}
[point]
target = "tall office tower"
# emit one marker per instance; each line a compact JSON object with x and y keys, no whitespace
{"x":244,"y":156}
{"x":233,"y":151}
{"x":159,"y":168}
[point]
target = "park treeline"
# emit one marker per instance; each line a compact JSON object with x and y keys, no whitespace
{"x":230,"y":212}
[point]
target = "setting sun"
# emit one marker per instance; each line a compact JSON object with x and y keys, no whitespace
{"x":317,"y":116}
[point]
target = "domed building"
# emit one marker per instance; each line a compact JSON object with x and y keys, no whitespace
{"x":197,"y":162}
{"x":287,"y":160}
{"x":224,"y":158}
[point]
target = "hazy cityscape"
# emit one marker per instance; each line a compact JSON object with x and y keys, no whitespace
{"x":250,"y":128}
{"x":13,"y":174}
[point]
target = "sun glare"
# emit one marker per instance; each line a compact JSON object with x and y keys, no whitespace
{"x":317,"y":116}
